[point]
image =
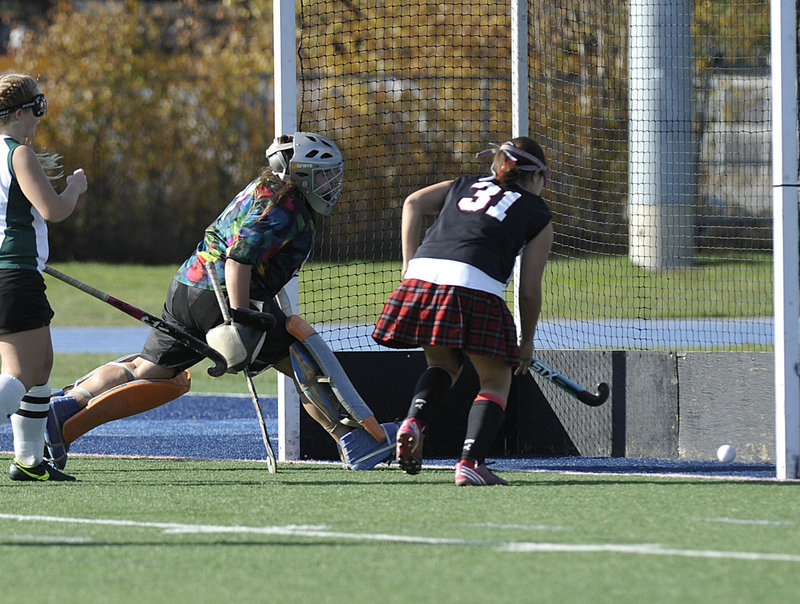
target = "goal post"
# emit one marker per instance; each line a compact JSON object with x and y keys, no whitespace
{"x":785,"y":237}
{"x":285,"y":48}
{"x":412,"y":91}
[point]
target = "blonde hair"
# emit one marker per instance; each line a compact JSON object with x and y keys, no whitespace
{"x":18,"y":88}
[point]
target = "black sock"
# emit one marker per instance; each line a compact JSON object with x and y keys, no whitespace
{"x":431,"y":389}
{"x":486,"y":417}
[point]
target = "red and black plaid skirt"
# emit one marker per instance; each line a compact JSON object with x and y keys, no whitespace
{"x":419,"y":313}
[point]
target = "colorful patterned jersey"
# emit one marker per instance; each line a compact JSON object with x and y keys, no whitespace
{"x":276,"y":243}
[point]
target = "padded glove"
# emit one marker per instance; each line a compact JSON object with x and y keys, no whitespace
{"x":238,"y":343}
{"x":262,"y":321}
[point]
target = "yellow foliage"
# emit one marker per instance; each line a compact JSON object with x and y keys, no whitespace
{"x":169,"y":106}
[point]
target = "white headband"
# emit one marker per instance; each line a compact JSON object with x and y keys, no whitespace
{"x":514,"y":154}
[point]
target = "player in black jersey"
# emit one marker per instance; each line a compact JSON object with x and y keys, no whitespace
{"x":451,"y":299}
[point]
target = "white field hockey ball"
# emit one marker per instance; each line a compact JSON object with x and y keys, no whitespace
{"x":726,"y":453}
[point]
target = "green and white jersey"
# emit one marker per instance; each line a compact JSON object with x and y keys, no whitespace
{"x":23,"y":231}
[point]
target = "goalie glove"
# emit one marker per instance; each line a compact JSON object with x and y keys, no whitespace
{"x":238,"y":343}
{"x":262,"y":321}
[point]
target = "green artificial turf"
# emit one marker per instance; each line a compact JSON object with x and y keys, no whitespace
{"x":143,"y":530}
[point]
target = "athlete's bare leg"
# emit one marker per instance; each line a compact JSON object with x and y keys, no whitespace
{"x":114,"y":374}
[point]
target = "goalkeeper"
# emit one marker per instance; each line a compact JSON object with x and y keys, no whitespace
{"x":257,"y":244}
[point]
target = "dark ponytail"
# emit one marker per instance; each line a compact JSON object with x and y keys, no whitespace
{"x":507,"y":169}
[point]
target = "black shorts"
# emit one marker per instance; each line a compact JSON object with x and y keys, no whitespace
{"x":23,"y":303}
{"x":196,"y":310}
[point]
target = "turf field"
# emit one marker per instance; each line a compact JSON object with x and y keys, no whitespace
{"x":147,"y":530}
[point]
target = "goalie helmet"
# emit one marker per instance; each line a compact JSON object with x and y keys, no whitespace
{"x":314,"y":164}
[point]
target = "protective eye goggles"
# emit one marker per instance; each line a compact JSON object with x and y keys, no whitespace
{"x":38,"y":104}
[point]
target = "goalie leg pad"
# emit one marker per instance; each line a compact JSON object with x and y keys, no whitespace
{"x":123,"y":401}
{"x":312,"y":383}
{"x":331,"y":371}
{"x":61,"y":409}
{"x":361,"y":451}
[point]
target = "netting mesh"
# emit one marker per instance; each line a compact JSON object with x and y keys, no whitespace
{"x":655,"y":120}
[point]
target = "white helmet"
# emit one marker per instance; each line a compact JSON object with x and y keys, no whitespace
{"x":314,"y":165}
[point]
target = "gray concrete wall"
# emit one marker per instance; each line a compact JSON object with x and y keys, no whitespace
{"x":727,"y":398}
{"x":640,"y":419}
{"x":663,"y":404}
{"x":669,"y":405}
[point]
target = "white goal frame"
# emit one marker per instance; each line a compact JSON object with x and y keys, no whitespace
{"x":783,"y":24}
{"x":785,"y":209}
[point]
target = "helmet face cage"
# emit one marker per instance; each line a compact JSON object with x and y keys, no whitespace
{"x":315,"y":167}
{"x":328,"y":184}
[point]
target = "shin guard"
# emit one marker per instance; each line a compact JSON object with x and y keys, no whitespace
{"x":485,"y":419}
{"x":430,"y":392}
{"x":322,"y":372}
{"x":28,"y":425}
{"x":125,"y":400}
{"x":313,"y":385}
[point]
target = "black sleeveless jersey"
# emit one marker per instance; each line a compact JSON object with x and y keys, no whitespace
{"x":485,"y":225}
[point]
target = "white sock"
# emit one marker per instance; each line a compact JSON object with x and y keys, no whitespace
{"x":29,"y":424}
{"x":11,"y":392}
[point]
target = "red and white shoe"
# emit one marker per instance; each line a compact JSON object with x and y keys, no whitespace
{"x":409,"y":446}
{"x":468,"y":473}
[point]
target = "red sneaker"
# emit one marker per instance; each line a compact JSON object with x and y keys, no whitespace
{"x":470,"y":474}
{"x":409,"y":446}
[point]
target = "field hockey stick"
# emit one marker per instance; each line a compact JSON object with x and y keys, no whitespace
{"x":568,"y":386}
{"x":272,"y":464}
{"x":185,"y":338}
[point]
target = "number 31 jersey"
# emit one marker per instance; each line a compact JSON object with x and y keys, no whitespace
{"x":481,"y":226}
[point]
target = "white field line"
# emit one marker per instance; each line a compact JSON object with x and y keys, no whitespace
{"x":48,"y":539}
{"x":518,"y":527}
{"x":697,"y":475}
{"x":650,"y":549}
{"x":747,"y":521}
{"x":321,"y":532}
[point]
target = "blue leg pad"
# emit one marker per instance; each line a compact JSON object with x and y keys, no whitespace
{"x":61,"y":409}
{"x":362,"y":452}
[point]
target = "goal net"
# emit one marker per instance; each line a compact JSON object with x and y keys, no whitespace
{"x":655,"y":120}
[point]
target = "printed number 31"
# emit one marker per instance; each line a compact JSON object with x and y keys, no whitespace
{"x":485,"y":192}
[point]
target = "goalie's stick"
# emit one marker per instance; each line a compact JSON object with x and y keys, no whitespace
{"x":272,"y":464}
{"x":579,"y":392}
{"x":170,"y":329}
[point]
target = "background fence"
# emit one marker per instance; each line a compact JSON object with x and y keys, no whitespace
{"x":168,"y":107}
{"x":412,"y":92}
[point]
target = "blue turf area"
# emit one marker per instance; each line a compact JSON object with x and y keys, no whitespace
{"x":194,"y":425}
{"x":226,"y":427}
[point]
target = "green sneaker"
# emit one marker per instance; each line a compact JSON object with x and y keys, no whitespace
{"x":44,"y":471}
